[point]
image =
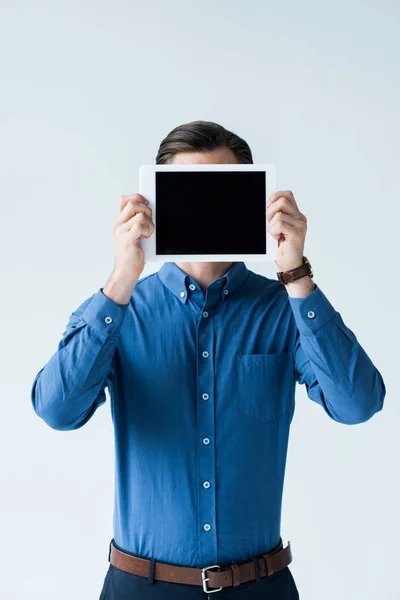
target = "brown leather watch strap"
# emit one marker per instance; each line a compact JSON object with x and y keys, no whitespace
{"x":208,"y":577}
{"x":293,"y":274}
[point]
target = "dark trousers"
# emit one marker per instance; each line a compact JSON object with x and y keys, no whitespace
{"x":119,"y":585}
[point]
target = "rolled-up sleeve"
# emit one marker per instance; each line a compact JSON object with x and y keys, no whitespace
{"x":329,"y":360}
{"x":71,"y":386}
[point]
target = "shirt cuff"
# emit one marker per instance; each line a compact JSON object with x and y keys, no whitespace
{"x":104,"y":315}
{"x":312,"y":312}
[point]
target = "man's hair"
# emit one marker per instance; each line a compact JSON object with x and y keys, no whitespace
{"x":202,"y":136}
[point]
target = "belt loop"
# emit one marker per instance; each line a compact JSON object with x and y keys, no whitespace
{"x":150,"y":578}
{"x":257,"y":568}
{"x":235,"y":574}
{"x":109,"y":549}
{"x":264,"y":557}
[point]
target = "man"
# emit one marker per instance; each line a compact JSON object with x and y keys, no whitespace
{"x":201,"y":362}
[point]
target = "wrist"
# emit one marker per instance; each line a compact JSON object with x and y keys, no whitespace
{"x":300,"y":288}
{"x":119,"y":287}
{"x":292,"y":274}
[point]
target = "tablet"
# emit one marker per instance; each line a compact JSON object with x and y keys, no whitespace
{"x":208,"y":212}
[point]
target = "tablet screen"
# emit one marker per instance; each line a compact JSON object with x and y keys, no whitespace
{"x":210,"y":212}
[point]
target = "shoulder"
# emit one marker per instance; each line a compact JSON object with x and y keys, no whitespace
{"x":146,"y":280}
{"x":267,"y":285}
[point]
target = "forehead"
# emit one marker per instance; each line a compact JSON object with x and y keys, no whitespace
{"x":218,"y":156}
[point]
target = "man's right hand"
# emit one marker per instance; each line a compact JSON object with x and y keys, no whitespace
{"x":134,"y":219}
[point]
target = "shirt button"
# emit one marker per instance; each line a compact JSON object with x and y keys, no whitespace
{"x":311,"y":314}
{"x":206,"y":484}
{"x":192,"y":287}
{"x":207,"y":527}
{"x":205,"y":314}
{"x":225,"y":292}
{"x":205,"y":354}
{"x":108,"y":320}
{"x":182,"y":294}
{"x":206,"y":441}
{"x":205,"y":396}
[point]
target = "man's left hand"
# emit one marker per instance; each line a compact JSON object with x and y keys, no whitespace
{"x":289,"y":226}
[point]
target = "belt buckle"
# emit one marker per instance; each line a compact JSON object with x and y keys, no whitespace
{"x":205,"y":579}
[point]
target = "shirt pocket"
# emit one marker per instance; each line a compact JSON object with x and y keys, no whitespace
{"x":266,"y":385}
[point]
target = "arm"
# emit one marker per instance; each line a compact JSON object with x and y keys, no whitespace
{"x":337,"y":372}
{"x":330,"y":361}
{"x":70,"y":387}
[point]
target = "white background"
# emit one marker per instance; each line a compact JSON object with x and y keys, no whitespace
{"x":88,"y":90}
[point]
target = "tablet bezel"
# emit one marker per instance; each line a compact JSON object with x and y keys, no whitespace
{"x":147,"y":187}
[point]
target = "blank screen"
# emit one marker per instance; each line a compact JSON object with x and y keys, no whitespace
{"x":210,"y":212}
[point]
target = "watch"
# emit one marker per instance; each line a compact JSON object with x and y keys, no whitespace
{"x":293,"y":274}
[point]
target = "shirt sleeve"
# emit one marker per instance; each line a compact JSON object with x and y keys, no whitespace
{"x":71,"y":386}
{"x":329,"y":360}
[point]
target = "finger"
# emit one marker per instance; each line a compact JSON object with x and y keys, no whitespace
{"x":297,"y":221}
{"x":286,"y":205}
{"x":287,"y":229}
{"x":126,"y":197}
{"x":140,"y":225}
{"x":130,"y":209}
{"x":285,"y":194}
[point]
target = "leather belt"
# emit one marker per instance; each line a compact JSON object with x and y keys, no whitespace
{"x":213,"y":577}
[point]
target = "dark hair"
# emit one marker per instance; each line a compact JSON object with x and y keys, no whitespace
{"x":202,"y":136}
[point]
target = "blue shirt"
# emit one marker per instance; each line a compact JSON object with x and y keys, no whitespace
{"x":202,"y":394}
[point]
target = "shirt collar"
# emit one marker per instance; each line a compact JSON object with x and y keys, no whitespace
{"x":178,"y":281}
